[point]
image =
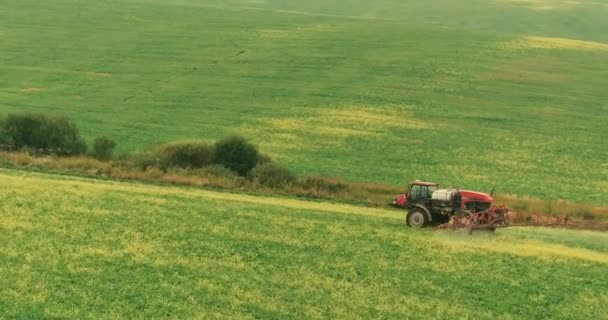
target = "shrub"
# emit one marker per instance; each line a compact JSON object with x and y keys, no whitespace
{"x":188,"y":154}
{"x":5,"y":141}
{"x":103,"y":148}
{"x":236,"y":154}
{"x":272,"y":175}
{"x":42,"y":133}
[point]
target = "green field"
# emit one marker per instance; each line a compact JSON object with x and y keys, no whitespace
{"x":478,"y":93}
{"x":91,"y":249}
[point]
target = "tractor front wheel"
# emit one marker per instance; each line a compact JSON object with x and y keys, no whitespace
{"x":416,"y":218}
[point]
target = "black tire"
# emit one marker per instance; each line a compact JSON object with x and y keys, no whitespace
{"x":417,"y":218}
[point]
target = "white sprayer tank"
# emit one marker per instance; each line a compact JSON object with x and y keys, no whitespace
{"x":444,"y":194}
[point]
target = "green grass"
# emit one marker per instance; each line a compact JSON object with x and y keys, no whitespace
{"x":480,"y":94}
{"x":91,"y":249}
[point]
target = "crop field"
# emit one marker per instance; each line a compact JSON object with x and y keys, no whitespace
{"x":91,"y":249}
{"x":478,"y":93}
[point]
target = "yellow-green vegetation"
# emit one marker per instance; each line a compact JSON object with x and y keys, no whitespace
{"x":267,"y":180}
{"x":79,"y":248}
{"x":473,"y":93}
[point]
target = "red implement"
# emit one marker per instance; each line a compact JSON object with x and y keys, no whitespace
{"x":499,"y":217}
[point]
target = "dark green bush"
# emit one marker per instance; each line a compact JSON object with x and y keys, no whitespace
{"x":5,"y":140}
{"x":103,"y":148}
{"x":42,"y":134}
{"x":272,"y":175}
{"x":188,"y":154}
{"x":236,"y":154}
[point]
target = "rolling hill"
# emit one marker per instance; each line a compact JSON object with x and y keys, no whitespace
{"x":95,"y":249}
{"x":479,"y":94}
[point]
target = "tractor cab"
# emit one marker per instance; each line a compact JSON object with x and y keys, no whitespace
{"x":419,"y":192}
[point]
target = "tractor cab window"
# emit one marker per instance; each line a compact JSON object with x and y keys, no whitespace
{"x":414,"y":192}
{"x":421,"y":192}
{"x":417,"y":192}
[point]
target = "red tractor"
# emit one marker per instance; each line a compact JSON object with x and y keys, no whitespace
{"x":427,"y":204}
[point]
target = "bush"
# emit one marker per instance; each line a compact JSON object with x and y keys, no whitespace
{"x":272,"y":175}
{"x":236,"y":154}
{"x":103,"y":148}
{"x":193,"y":154}
{"x":5,"y":140}
{"x":41,"y":133}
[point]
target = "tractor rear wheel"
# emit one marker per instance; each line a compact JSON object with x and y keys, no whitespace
{"x":416,"y":218}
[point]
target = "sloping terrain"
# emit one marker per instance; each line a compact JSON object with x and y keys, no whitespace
{"x":81,"y":248}
{"x":477,"y":93}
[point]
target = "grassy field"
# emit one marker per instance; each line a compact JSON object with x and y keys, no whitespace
{"x":91,"y":249}
{"x":477,"y":93}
